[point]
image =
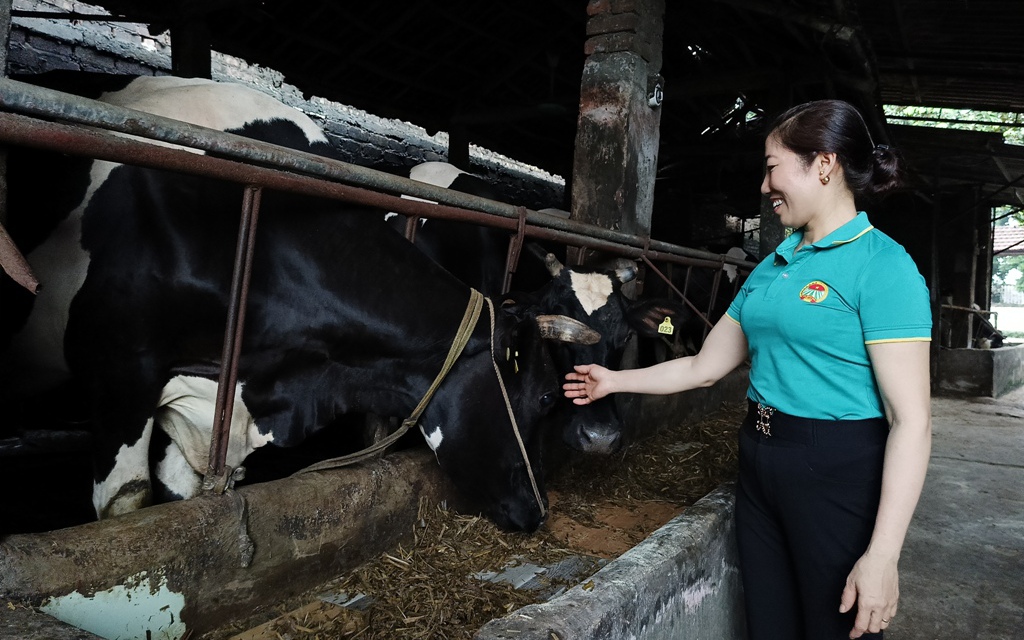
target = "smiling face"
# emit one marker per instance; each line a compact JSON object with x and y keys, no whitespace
{"x":793,"y":185}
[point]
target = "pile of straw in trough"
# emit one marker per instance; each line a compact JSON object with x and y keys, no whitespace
{"x":430,"y":589}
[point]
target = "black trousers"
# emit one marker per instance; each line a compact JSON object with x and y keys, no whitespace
{"x":806,"y":503}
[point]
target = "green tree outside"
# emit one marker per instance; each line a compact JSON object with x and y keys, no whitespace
{"x":1011,"y":125}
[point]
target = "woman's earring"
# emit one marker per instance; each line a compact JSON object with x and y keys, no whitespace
{"x":824,"y":179}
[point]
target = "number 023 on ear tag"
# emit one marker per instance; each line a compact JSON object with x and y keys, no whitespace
{"x":666,"y":327}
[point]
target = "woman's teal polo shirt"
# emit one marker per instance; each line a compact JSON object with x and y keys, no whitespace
{"x":809,"y":317}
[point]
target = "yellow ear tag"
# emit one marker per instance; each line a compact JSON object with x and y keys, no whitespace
{"x":666,"y":327}
{"x":508,"y":354}
{"x":516,"y":362}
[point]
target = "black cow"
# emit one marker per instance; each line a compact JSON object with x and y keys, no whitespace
{"x":477,"y":254}
{"x":343,"y":316}
{"x":701,"y":290}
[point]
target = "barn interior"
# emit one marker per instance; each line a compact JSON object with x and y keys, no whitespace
{"x":507,"y":77}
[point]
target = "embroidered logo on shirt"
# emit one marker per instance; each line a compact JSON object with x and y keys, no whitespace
{"x":814,"y":292}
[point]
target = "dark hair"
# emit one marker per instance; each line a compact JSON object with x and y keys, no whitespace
{"x":834,"y":126}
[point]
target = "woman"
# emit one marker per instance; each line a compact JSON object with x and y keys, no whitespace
{"x":834,"y":449}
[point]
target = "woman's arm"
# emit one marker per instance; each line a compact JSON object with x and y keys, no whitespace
{"x":902,"y":372}
{"x":724,"y":349}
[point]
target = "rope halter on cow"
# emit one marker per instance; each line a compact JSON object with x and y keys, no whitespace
{"x":469,"y":320}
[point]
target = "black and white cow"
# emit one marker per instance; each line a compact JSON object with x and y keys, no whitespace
{"x":343,"y":316}
{"x":473,"y":253}
{"x":476,"y":254}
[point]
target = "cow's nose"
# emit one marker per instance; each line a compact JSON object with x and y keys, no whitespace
{"x":524,"y":515}
{"x":601,"y":438}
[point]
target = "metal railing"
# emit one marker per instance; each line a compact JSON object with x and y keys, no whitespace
{"x":43,"y":118}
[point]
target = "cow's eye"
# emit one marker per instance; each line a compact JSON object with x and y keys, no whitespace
{"x":548,"y":399}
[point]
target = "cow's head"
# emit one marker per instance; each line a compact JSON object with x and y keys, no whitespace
{"x":467,"y":425}
{"x":594,"y":297}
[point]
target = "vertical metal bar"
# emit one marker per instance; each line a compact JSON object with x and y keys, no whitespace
{"x":515,"y":249}
{"x":714,"y":295}
{"x":410,"y":228}
{"x":679,"y":293}
{"x":240,"y":278}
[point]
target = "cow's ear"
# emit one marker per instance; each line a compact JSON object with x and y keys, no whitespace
{"x":538,"y":252}
{"x":522,"y":306}
{"x":659,"y":316}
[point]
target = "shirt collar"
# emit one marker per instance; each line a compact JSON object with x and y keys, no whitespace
{"x":843,"y":235}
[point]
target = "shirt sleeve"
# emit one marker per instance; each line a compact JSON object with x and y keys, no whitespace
{"x":894,"y":300}
{"x":733,"y":312}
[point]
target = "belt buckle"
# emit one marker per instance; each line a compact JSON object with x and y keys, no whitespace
{"x":764,"y":419}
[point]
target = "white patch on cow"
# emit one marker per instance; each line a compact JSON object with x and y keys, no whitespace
{"x":591,"y":289}
{"x":141,"y":607}
{"x":439,"y":174}
{"x":207,"y":103}
{"x":433,"y":439}
{"x":130,"y":465}
{"x":177,"y":475}
{"x":730,"y":269}
{"x":60,"y":263}
{"x":185,"y":412}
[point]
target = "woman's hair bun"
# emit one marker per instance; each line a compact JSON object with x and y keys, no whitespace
{"x":887,"y":171}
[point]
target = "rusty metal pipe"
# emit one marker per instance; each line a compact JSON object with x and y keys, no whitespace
{"x":62,"y":138}
{"x":232,"y":348}
{"x":26,"y":98}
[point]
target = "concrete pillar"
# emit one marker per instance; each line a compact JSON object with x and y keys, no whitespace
{"x":983,"y":278}
{"x":617,"y":136}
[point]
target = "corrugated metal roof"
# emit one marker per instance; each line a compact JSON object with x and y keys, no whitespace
{"x":950,"y":53}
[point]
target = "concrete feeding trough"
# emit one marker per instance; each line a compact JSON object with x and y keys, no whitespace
{"x":182,"y":568}
{"x":681,"y":582}
{"x":131,"y":577}
{"x":186,"y":569}
{"x":980,"y":372}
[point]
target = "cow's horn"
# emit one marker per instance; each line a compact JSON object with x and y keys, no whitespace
{"x":625,"y":274}
{"x":566,"y":329}
{"x":553,"y":264}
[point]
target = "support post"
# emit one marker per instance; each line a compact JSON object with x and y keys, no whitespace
{"x":617,"y":137}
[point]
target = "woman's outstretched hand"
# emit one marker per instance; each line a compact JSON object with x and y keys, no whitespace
{"x":588,"y":383}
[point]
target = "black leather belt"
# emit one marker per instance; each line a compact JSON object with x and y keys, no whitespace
{"x":768,"y":423}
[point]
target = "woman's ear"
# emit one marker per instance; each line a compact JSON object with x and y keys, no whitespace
{"x":826,"y":164}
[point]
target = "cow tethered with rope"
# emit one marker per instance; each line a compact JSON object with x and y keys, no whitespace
{"x":341,"y":315}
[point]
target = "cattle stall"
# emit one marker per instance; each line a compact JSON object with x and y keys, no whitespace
{"x":153,"y":564}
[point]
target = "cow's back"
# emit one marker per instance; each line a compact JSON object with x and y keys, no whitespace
{"x":50,"y":194}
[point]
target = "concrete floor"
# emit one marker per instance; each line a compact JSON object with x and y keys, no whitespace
{"x":962,"y":569}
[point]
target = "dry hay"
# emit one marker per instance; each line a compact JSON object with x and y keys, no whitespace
{"x":427,"y":589}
